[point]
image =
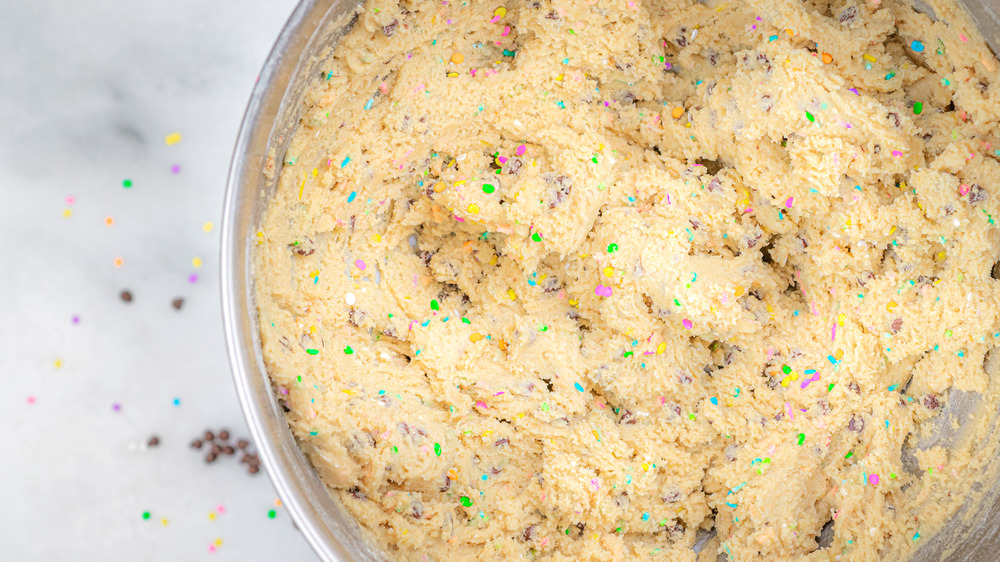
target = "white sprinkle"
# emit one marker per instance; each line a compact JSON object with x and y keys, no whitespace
{"x":350,"y":299}
{"x":385,"y":356}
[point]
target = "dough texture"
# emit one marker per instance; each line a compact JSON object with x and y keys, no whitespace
{"x":587,"y":280}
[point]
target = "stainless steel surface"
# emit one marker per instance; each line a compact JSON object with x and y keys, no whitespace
{"x":270,"y":118}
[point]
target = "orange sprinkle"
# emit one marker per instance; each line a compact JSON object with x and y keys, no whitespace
{"x":458,"y":58}
{"x":119,"y":262}
{"x":827,"y":58}
{"x":677,"y":112}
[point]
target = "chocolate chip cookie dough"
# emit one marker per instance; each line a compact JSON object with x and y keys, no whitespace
{"x":598,"y":280}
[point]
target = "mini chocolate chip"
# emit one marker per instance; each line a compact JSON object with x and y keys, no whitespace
{"x":857,"y":424}
{"x":196,"y":444}
{"x":126,"y":296}
{"x":209,"y":436}
{"x":253,"y":469}
{"x":931,"y":402}
{"x":153,"y":441}
{"x":897,"y":324}
{"x":224,"y":435}
{"x":245,"y":458}
{"x":216,"y":449}
{"x":228,"y":450}
{"x":177,"y":303}
{"x":210,"y":458}
{"x":391,"y":28}
{"x":242,"y":444}
{"x":854,"y":386}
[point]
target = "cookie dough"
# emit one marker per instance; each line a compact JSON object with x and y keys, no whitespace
{"x":601,"y":280}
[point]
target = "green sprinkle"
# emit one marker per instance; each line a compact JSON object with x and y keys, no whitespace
{"x":567,"y":530}
{"x":810,"y":117}
{"x":145,"y":515}
{"x":545,"y":406}
{"x":802,"y":438}
{"x":395,"y":449}
{"x":271,"y":514}
{"x":437,"y":449}
{"x":691,"y":417}
{"x":786,"y":369}
{"x":916,"y":536}
{"x":435,"y":305}
{"x":127,"y":184}
{"x":466,"y":501}
{"x":917,"y":108}
{"x":612,"y":248}
{"x":947,"y":333}
{"x":536,"y":237}
{"x":849,"y":455}
{"x":348,"y":351}
{"x":312,"y":351}
{"x":487,"y":188}
{"x":466,"y":320}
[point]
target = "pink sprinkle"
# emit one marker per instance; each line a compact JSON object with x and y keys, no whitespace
{"x":788,"y":408}
{"x":600,"y":404}
{"x":520,"y":150}
{"x":481,"y":404}
{"x":384,"y":88}
{"x":595,"y":484}
{"x":663,"y":400}
{"x":459,"y":219}
{"x":494,"y":19}
{"x":360,"y":264}
{"x":70,"y":200}
{"x":788,"y":202}
{"x":506,"y":31}
{"x":497,"y":393}
{"x":873,"y":479}
{"x":963,"y":189}
{"x":603,"y":291}
{"x":687,"y":323}
{"x":502,"y":159}
{"x":220,"y":508}
{"x":116,"y":407}
{"x":964,"y":40}
{"x":211,"y":548}
{"x":833,"y":332}
{"x":31,"y":400}
{"x":806,"y":382}
{"x":897,"y":153}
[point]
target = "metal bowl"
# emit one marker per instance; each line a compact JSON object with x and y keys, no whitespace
{"x":271,"y":117}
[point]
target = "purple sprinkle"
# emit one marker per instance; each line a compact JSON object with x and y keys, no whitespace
{"x":116,"y":407}
{"x":76,"y":319}
{"x":855,"y":90}
{"x":193,"y":278}
{"x":175,"y":169}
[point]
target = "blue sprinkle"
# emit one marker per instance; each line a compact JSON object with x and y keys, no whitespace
{"x":425,"y":323}
{"x":831,"y":359}
{"x":177,"y":401}
{"x":893,"y":387}
{"x":578,"y":386}
{"x":445,"y":319}
{"x":645,"y":517}
{"x":509,"y":53}
{"x":369,"y":103}
{"x":417,"y":353}
{"x":631,"y":199}
{"x":347,"y":160}
{"x":714,"y":400}
{"x":561,"y":104}
{"x":532,"y":282}
{"x":810,"y":371}
{"x":352,"y":196}
{"x":917,"y":46}
{"x":565,"y":61}
{"x":732,"y":505}
{"x":381,"y":392}
{"x":796,"y":313}
{"x":772,"y":38}
{"x":486,"y":477}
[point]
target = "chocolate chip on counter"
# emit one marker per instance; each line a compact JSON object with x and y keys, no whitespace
{"x":210,"y":458}
{"x":245,"y":458}
{"x":253,"y":469}
{"x":196,"y":444}
{"x":153,"y":441}
{"x":177,"y":303}
{"x":209,"y":436}
{"x":228,"y":450}
{"x":242,"y":444}
{"x":126,"y":296}
{"x":216,"y":449}
{"x":224,"y":435}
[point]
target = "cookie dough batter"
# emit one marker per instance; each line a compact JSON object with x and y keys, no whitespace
{"x":596,"y":280}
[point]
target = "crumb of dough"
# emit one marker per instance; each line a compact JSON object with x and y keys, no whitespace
{"x":585,"y":280}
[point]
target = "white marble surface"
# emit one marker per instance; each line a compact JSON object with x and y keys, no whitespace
{"x":88,"y":93}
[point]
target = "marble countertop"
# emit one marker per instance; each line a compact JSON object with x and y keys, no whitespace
{"x":99,"y":196}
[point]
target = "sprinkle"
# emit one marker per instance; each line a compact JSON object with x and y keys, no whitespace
{"x":868,"y":57}
{"x":827,"y":58}
{"x":488,"y":188}
{"x":810,"y":117}
{"x":172,"y":139}
{"x":360,"y":264}
{"x":772,"y":38}
{"x":520,"y":150}
{"x":890,"y":75}
{"x":687,"y":323}
{"x":458,"y":58}
{"x":109,"y":221}
{"x":916,"y":536}
{"x":348,"y":351}
{"x":175,"y":169}
{"x":193,"y":278}
{"x":466,"y":501}
{"x":677,"y":112}
{"x":873,"y":479}
{"x":473,"y":209}
{"x":612,"y":248}
{"x":369,"y":103}
{"x":660,"y":349}
{"x":207,"y":227}
{"x":347,"y":160}
{"x":603,"y":291}
{"x":788,"y":202}
{"x":435,"y":305}
{"x":849,"y":455}
{"x":271,"y":514}
{"x":352,"y":196}
{"x":127,"y":184}
{"x":481,"y":404}
{"x":897,"y":153}
{"x":350,"y":299}
{"x":312,"y":351}
{"x":475,"y":336}
{"x":196,"y":262}
{"x":802,"y":438}
{"x":917,"y":108}
{"x":536,"y":237}
{"x":437,"y":449}
{"x":917,"y":46}
{"x":578,"y":386}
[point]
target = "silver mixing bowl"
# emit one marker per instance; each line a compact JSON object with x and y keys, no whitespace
{"x":269,"y":122}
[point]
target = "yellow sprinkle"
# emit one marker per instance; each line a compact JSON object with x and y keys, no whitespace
{"x":312,"y":329}
{"x":500,"y":12}
{"x":487,"y":433}
{"x":891,"y":305}
{"x":512,"y":294}
{"x":573,"y":302}
{"x":609,"y":271}
{"x":794,"y":375}
{"x":67,"y":213}
{"x":868,"y":57}
{"x":473,"y":208}
{"x":207,"y":227}
{"x":790,"y":32}
{"x":302,"y":188}
{"x":260,"y":237}
{"x":660,"y":349}
{"x":196,"y":262}
{"x":458,"y":58}
{"x":559,"y":78}
{"x":218,"y":542}
{"x":375,"y":238}
{"x":452,"y":75}
{"x":848,"y":222}
{"x":785,"y":381}
{"x":940,"y":255}
{"x":314,"y":273}
{"x":839,"y":354}
{"x":57,"y":363}
{"x":739,"y":291}
{"x":891,"y":230}
{"x":596,"y":436}
{"x":476,"y":336}
{"x":493,"y":259}
{"x":172,"y":139}
{"x":459,"y":182}
{"x":164,"y":522}
{"x":211,"y":516}
{"x":677,"y":112}
{"x":840,"y":319}
{"x":645,"y":467}
{"x":315,"y":172}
